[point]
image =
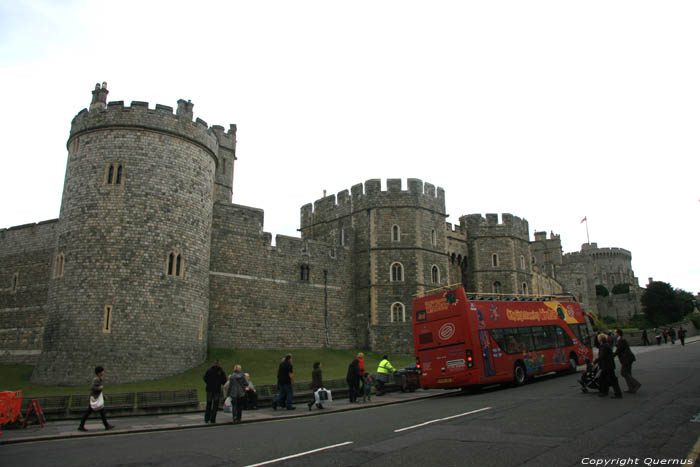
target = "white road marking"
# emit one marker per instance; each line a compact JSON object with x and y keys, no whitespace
{"x":442,"y":419}
{"x":300,"y":454}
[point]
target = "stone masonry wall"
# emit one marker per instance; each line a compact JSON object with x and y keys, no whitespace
{"x":258,"y":298}
{"x":26,"y":253}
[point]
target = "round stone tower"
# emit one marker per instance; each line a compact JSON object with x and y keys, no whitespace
{"x":499,"y":254}
{"x":130,"y":279}
{"x":397,"y":238}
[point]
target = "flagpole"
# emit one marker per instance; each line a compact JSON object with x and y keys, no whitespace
{"x":588,"y":238}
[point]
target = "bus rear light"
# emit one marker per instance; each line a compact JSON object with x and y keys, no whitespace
{"x":470,"y":359}
{"x":417,"y":364}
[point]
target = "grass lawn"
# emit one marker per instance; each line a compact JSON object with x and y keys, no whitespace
{"x":261,"y":364}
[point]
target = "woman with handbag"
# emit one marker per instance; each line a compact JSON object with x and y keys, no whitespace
{"x":236,"y":391}
{"x":97,"y":401}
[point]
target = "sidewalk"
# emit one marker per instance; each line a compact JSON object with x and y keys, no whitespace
{"x":68,"y":429}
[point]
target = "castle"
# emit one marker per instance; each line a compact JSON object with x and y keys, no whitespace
{"x":150,"y":262}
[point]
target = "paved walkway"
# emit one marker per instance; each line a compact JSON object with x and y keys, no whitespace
{"x":64,"y":429}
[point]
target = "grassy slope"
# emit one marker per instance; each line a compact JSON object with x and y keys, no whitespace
{"x":261,"y":364}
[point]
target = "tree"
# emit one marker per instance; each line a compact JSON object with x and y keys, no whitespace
{"x":601,"y":291}
{"x":686,"y":301}
{"x":661,"y":304}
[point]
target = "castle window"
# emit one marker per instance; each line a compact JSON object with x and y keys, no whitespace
{"x":435,"y":274}
{"x":107,"y":320}
{"x":15,"y":282}
{"x":396,"y":272}
{"x":395,"y":234}
{"x":398,"y":313}
{"x":201,"y":328}
{"x":342,"y":237}
{"x":305,"y":272}
{"x":114,"y":173}
{"x":524,"y":288}
{"x":58,"y":265}
{"x":175,"y":264}
{"x":433,"y":237}
{"x":494,"y":260}
{"x":496,"y":287}
{"x":522,"y":262}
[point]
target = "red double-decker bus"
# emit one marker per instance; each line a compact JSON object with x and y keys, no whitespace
{"x":464,"y":339}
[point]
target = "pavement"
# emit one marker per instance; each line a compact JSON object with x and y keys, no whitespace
{"x":68,"y":429}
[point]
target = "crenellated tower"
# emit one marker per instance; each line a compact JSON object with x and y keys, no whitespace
{"x":130,"y":274}
{"x":397,"y":241}
{"x":499,"y":254}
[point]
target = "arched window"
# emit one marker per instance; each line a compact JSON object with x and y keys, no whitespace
{"x":496,"y":287}
{"x":110,"y":174}
{"x":175,"y":266}
{"x":305,"y":272}
{"x":59,"y":263}
{"x":114,"y":173}
{"x":525,"y":288}
{"x":433,"y":237}
{"x":107,"y":320}
{"x":395,"y":234}
{"x":119,"y":175}
{"x":396,"y":272}
{"x":435,"y":274}
{"x":494,"y":260}
{"x":398,"y":312}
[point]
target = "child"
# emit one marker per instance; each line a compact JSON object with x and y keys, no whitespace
{"x":367,"y":387}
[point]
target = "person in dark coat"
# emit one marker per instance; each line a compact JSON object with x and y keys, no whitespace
{"x":353,"y":380}
{"x":645,"y":337}
{"x":681,"y":335}
{"x":624,"y":353}
{"x":606,"y":363}
{"x":214,"y":378}
{"x":316,"y":383}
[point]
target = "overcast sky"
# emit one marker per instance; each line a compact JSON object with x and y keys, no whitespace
{"x":549,"y":110}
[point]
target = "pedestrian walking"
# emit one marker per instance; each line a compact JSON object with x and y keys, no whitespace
{"x":672,"y":335}
{"x":353,"y":380}
{"x":657,"y":334}
{"x":645,"y":338}
{"x":214,"y":379}
{"x":383,"y":371}
{"x":236,"y":391}
{"x":626,"y":357}
{"x":361,"y":366}
{"x":97,"y":401}
{"x":665,"y":334}
{"x":681,"y":335}
{"x":316,"y":384}
{"x":366,"y":388}
{"x":285,"y":378}
{"x":606,"y":363}
{"x":251,"y":394}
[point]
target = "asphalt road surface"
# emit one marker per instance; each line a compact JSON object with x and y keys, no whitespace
{"x":548,"y":422}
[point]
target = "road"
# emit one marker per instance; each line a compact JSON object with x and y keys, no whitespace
{"x":548,"y":422}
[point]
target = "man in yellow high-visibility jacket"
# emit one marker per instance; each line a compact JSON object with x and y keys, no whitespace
{"x":383,"y":371}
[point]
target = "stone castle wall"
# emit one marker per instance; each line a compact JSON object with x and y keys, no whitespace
{"x":258,"y":297}
{"x":26,"y":254}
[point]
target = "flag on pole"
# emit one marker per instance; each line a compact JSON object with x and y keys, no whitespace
{"x":583,"y":220}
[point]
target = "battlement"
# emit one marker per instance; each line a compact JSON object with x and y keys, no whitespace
{"x":370,"y":195}
{"x":161,"y":118}
{"x":477,"y":225}
{"x":542,"y":236}
{"x":455,"y":229}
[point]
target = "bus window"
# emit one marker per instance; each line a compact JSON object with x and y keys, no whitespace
{"x":544,"y":337}
{"x":563,"y":339}
{"x":524,"y":339}
{"x":497,"y":335}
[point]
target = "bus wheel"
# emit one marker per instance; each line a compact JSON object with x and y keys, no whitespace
{"x":519,"y":374}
